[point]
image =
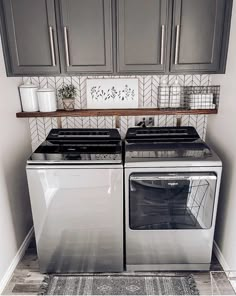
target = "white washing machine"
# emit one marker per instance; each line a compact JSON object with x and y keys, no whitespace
{"x":76,"y":189}
{"x":172,"y":182}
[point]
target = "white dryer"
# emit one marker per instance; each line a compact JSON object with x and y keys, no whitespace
{"x":172,"y":182}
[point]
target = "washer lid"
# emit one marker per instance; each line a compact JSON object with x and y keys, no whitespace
{"x":161,"y":134}
{"x":80,"y":153}
{"x":84,"y":135}
{"x":165,"y":144}
{"x":193,"y":150}
{"x":181,"y":154}
{"x":74,"y":159}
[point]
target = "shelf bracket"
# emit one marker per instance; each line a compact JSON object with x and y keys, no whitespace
{"x":179,"y":121}
{"x":117,"y":118}
{"x":59,"y":124}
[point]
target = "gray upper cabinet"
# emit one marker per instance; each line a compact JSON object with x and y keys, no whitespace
{"x":86,"y":27}
{"x":49,"y":37}
{"x":30,"y":37}
{"x":142,"y":35}
{"x":197,"y":36}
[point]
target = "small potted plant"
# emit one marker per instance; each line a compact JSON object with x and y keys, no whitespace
{"x":68,"y":93}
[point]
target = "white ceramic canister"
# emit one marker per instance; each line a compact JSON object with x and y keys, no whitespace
{"x":47,"y":99}
{"x":28,"y":95}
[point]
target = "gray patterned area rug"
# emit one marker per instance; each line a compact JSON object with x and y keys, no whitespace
{"x":119,"y":285}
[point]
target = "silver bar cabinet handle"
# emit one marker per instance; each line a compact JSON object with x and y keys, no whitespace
{"x":177,"y":45}
{"x":66,"y":47}
{"x":162,"y":43}
{"x":52,"y":46}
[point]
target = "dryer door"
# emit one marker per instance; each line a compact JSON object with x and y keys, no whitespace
{"x":171,"y":200}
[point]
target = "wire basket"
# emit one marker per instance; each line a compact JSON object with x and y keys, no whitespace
{"x":188,"y":97}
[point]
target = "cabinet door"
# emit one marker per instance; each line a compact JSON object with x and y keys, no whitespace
{"x":30,"y":27}
{"x":197,"y":35}
{"x":142,"y":35}
{"x":87,"y":35}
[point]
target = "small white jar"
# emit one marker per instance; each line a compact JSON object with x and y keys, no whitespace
{"x":28,"y":95}
{"x":47,"y":99}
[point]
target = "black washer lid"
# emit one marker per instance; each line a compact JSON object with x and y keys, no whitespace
{"x":162,"y":134}
{"x":83,"y":135}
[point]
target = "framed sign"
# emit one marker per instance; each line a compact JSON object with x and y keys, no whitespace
{"x":112,"y":93}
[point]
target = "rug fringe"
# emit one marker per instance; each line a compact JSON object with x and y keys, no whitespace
{"x":192,"y":285}
{"x":44,"y":285}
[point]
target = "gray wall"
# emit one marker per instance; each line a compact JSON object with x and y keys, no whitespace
{"x":221,"y":134}
{"x":15,"y":212}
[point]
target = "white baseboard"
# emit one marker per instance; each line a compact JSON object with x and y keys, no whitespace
{"x":220,"y":257}
{"x":20,"y":253}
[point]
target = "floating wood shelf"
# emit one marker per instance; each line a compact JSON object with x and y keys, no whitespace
{"x":115,"y":112}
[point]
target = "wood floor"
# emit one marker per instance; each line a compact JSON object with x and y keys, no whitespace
{"x":26,"y":279}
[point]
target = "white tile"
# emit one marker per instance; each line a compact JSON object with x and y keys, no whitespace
{"x":148,"y":93}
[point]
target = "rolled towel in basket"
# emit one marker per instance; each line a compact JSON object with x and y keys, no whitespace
{"x":201,"y":101}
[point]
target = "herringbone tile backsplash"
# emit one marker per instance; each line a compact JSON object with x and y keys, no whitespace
{"x":148,"y":90}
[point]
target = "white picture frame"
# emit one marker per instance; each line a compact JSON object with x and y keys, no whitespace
{"x":112,"y":93}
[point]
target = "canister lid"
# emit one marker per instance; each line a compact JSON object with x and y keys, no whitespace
{"x":28,"y":85}
{"x":46,"y":90}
